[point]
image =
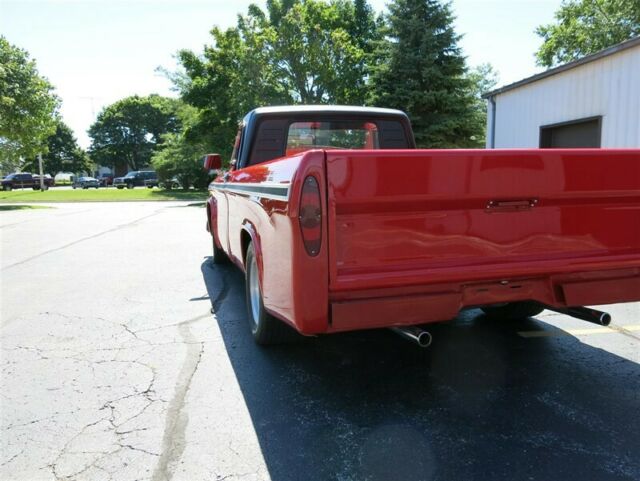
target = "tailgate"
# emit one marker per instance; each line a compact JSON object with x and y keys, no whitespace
{"x":436,"y":216}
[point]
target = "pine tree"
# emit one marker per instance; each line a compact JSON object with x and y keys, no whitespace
{"x":422,"y":71}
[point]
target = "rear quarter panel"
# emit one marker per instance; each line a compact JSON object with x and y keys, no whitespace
{"x":294,"y":285}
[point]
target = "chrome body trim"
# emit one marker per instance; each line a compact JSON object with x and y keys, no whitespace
{"x":263,"y":190}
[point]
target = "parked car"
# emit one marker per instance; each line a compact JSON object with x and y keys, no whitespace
{"x":134,"y":179}
{"x":169,"y":184}
{"x":340,"y":223}
{"x":105,"y":179}
{"x":21,"y":180}
{"x":85,"y":183}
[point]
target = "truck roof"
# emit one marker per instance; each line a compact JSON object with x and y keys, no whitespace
{"x":352,"y":109}
{"x":293,"y":113}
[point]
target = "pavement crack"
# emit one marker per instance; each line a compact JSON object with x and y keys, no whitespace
{"x":624,"y":331}
{"x":8,"y":461}
{"x":173,"y":439}
{"x":175,"y":324}
{"x":133,"y":448}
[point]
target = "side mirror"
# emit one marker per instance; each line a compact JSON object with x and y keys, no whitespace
{"x":212,"y":162}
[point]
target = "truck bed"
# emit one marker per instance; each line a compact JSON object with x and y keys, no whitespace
{"x":453,"y":228}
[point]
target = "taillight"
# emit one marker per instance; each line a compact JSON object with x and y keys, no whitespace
{"x":310,"y":216}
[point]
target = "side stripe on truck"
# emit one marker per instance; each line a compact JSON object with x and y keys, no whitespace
{"x":262,"y":190}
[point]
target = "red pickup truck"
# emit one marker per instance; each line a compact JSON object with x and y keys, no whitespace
{"x":340,"y":223}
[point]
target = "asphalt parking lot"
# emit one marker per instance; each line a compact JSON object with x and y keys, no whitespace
{"x":114,"y":368}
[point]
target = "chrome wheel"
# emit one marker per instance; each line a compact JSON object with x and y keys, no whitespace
{"x":254,"y":291}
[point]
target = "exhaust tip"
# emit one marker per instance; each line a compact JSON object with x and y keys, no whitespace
{"x":414,"y":334}
{"x":424,"y":339}
{"x":585,"y":313}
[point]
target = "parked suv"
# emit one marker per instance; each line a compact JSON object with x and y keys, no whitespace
{"x":48,"y":180}
{"x":21,"y":181}
{"x":134,"y":178}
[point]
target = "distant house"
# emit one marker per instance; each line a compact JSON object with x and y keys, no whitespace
{"x":101,"y":169}
{"x":592,"y":102}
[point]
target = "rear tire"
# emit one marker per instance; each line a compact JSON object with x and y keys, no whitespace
{"x":265,"y":328}
{"x":129,"y":186}
{"x":514,"y":310}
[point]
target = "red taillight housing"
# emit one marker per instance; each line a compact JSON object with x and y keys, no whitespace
{"x":310,"y":216}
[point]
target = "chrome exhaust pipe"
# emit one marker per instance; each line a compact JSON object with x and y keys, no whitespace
{"x":413,"y":333}
{"x":585,"y":313}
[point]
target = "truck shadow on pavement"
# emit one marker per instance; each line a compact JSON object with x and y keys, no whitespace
{"x":480,"y":403}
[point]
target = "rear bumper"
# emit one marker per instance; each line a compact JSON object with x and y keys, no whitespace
{"x":425,"y":304}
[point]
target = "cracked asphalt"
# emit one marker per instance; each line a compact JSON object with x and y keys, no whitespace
{"x":114,"y":368}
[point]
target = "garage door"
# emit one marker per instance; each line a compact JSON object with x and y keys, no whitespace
{"x":575,"y":134}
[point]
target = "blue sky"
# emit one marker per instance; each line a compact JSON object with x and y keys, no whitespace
{"x":98,"y":51}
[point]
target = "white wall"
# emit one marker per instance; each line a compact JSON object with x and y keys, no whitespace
{"x":609,"y":87}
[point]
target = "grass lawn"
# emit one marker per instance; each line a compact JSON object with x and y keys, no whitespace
{"x":99,"y":195}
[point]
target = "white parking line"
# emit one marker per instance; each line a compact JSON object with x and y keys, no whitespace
{"x":581,"y":332}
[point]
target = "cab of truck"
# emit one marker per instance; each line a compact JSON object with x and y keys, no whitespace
{"x":268,"y":133}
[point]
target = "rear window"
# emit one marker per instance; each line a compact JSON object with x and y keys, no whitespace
{"x":343,"y":134}
{"x":279,"y":136}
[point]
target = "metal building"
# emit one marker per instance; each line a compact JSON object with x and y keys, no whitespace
{"x":592,"y":102}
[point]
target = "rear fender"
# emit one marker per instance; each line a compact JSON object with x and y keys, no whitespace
{"x":248,"y":229}
{"x":310,"y":276}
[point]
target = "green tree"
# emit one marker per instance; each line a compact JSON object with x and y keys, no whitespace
{"x":583,"y":27}
{"x":63,"y":154}
{"x":182,"y":160}
{"x":179,"y":157}
{"x":127,"y":132}
{"x":482,"y":79}
{"x":27,"y":107}
{"x":423,"y":72}
{"x":298,"y":51}
{"x":232,"y":77}
{"x":320,"y":50}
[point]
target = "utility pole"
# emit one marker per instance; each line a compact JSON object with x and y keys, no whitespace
{"x":93,"y":116}
{"x":41,"y":173}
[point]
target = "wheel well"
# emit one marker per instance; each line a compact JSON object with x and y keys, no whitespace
{"x":245,"y":240}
